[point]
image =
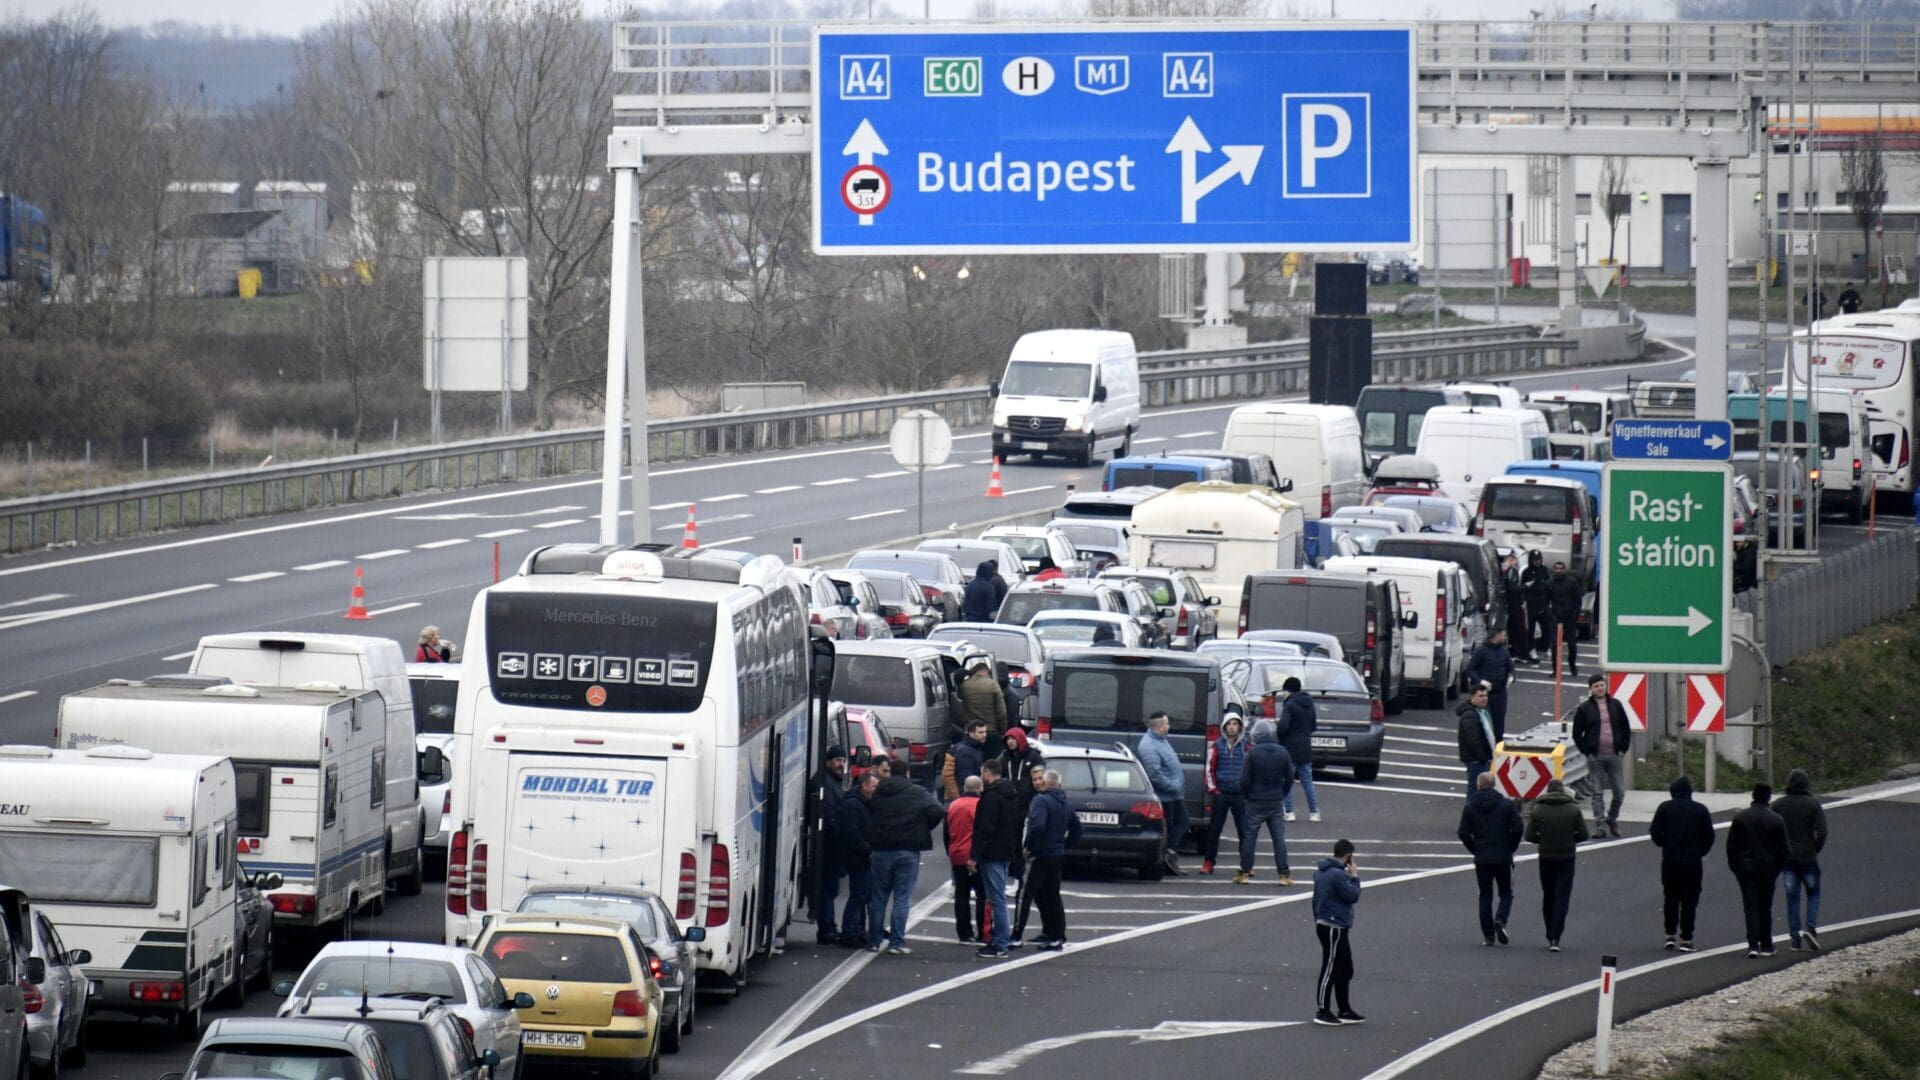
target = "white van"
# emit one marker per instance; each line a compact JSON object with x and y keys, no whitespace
{"x":1315,"y":448}
{"x":1430,"y":602}
{"x":310,"y":773}
{"x":131,"y":854}
{"x":1068,"y":392}
{"x":290,"y":658}
{"x":1487,"y":395}
{"x":1220,"y":533}
{"x":1592,"y":411}
{"x":1472,"y":445}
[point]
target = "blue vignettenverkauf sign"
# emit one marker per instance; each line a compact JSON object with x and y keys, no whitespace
{"x":1673,"y":440}
{"x":1129,"y":138}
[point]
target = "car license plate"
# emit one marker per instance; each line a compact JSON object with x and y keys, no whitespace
{"x":565,"y":1040}
{"x":1099,"y":819}
{"x":1033,"y":446}
{"x":1329,"y":742}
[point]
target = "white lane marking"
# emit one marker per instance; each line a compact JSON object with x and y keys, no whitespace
{"x":721,"y":498}
{"x":1421,"y":765}
{"x":1419,"y":742}
{"x":328,"y":565}
{"x":1358,"y":786}
{"x":728,"y":540}
{"x":895,"y":472}
{"x":435,"y":545}
{"x":264,"y":575}
{"x":1154,"y":439}
{"x":1414,"y":779}
{"x":948,"y":465}
{"x":561,"y":524}
{"x":781,"y":490}
{"x":44,"y":598}
{"x":1401,"y":1065}
{"x":387,"y":554}
{"x":178,"y":656}
{"x":1028,"y":490}
{"x":837,"y":481}
{"x":1193,"y":434}
{"x":1399,"y":725}
{"x":394,"y":608}
{"x":1135,"y":911}
{"x":1421,"y":753}
{"x":668,"y":506}
{"x":1164,"y":1031}
{"x":498,"y":533}
{"x":16,"y":621}
{"x":875,"y":514}
{"x":17,"y":695}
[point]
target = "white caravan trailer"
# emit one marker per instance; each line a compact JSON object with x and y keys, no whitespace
{"x":310,"y":765}
{"x":130,"y":853}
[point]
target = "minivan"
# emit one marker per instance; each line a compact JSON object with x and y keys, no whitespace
{"x":1072,"y":393}
{"x":906,"y":683}
{"x":1249,"y":466}
{"x":1363,"y":613}
{"x":1163,"y":472}
{"x":1430,"y":601}
{"x":1315,"y":449}
{"x":1470,"y":445}
{"x":1475,"y":554}
{"x":1843,"y":434}
{"x":1592,"y":410}
{"x":1549,"y":514}
{"x":1390,"y":417}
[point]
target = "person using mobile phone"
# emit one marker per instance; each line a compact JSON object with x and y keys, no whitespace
{"x":1336,"y":888}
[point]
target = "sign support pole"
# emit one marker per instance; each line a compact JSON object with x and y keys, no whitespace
{"x":625,"y":265}
{"x":920,"y":475}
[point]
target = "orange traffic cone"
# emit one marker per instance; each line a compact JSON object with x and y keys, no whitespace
{"x":692,"y":539}
{"x":357,"y":600}
{"x":993,"y":482}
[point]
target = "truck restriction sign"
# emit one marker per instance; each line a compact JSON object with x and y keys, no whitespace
{"x":865,"y":189}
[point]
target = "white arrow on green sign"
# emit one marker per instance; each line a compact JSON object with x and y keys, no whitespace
{"x":1666,"y":585}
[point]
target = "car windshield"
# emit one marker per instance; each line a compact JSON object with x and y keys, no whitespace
{"x":1364,"y":536}
{"x":1587,"y":414}
{"x":1027,"y":378}
{"x":1069,"y":630}
{"x":268,"y":1062}
{"x":409,"y":1046}
{"x":1089,"y":775}
{"x":873,"y":680}
{"x":1029,"y":548}
{"x":1165,"y":476}
{"x":1092,"y":536}
{"x":629,"y":909}
{"x":893,"y":590}
{"x":558,"y":957}
{"x":925,"y":566}
{"x":1021,"y":607}
{"x":379,"y":976}
{"x":1264,"y":677}
{"x":1006,"y":646}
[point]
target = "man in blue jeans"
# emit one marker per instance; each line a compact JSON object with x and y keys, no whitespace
{"x":904,"y":817}
{"x":1169,"y":780}
{"x":996,"y":837}
{"x":1265,"y":780}
{"x":1298,"y":722}
{"x":1806,"y":836}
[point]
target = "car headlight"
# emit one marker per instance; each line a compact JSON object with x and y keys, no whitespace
{"x":1076,"y":422}
{"x":999,"y":418}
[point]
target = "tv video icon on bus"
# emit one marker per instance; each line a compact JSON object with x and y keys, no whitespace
{"x":649,"y":672}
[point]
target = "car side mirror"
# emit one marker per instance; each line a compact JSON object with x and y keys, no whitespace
{"x":1285,"y":486}
{"x":862,"y":757}
{"x":79,"y":956}
{"x":695,"y":934}
{"x":283,"y":988}
{"x":36,"y":969}
{"x":1099,"y":393}
{"x":433,"y":765}
{"x":490,"y":1057}
{"x":522,"y":1000}
{"x":993,"y":387}
{"x":1410,"y":619}
{"x":1167,"y":612}
{"x":1213,"y":601}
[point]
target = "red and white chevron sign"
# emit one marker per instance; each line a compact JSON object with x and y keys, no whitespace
{"x":1629,"y":688}
{"x":1707,"y":704}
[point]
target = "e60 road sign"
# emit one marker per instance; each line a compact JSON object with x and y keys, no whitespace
{"x":1123,"y":138}
{"x":1666,"y":587}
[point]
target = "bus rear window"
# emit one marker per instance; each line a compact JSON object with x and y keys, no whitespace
{"x":646,"y":654}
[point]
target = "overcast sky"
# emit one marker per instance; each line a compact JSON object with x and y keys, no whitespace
{"x":283,"y":17}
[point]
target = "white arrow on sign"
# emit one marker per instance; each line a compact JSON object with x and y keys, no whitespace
{"x":1710,"y":715}
{"x":864,"y":144}
{"x":1692,"y":622}
{"x":1165,"y":1031}
{"x":1715,"y":442}
{"x":1189,"y":143}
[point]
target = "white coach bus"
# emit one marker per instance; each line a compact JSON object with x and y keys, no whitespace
{"x":1871,"y":355}
{"x":637,"y":717}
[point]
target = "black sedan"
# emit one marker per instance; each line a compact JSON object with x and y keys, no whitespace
{"x":671,"y":947}
{"x":1352,"y":723}
{"x":1121,"y":821}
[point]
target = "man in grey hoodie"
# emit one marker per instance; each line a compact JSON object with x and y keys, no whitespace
{"x":1806,"y":835}
{"x":1265,"y":780}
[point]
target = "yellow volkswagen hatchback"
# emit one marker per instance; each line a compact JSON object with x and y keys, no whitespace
{"x":596,"y":1004}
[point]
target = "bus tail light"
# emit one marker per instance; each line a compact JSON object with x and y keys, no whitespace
{"x":689,"y":887}
{"x":477,"y":878}
{"x":1326,"y":500}
{"x":457,"y":873}
{"x":719,"y":886}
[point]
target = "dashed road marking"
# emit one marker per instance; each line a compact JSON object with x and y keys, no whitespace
{"x":670,"y":506}
{"x":781,"y":490}
{"x":876,"y":514}
{"x":498,"y":533}
{"x":1191,"y":435}
{"x":888,"y":473}
{"x":561,"y":524}
{"x":837,"y":481}
{"x":329,"y":564}
{"x":264,"y":575}
{"x":394,"y":608}
{"x":723,"y":498}
{"x":178,"y":656}
{"x":17,"y":695}
{"x":437,"y":544}
{"x":1028,"y":490}
{"x":387,"y":554}
{"x":45,"y":598}
{"x":728,"y":540}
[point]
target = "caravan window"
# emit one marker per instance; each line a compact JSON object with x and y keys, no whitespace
{"x":1182,"y":554}
{"x":223,"y":859}
{"x":200,"y":884}
{"x":379,"y":795}
{"x":65,"y":868}
{"x":254,"y":793}
{"x":330,"y":797}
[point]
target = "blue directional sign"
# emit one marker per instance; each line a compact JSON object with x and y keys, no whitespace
{"x":1673,"y":440}
{"x":1126,"y":138}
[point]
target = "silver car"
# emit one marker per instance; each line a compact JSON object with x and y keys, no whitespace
{"x":15,"y":943}
{"x":671,"y":948}
{"x":57,"y":1027}
{"x":423,"y":1039}
{"x":249,"y":1046}
{"x":1186,"y":611}
{"x":436,"y":694}
{"x":827,"y":608}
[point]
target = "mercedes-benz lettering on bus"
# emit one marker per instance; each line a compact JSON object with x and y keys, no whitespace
{"x":1873,"y":356}
{"x":632,"y":717}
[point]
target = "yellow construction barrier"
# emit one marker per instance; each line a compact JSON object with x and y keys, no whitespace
{"x":248,"y":281}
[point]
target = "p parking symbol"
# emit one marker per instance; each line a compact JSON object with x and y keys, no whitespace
{"x":1327,"y":146}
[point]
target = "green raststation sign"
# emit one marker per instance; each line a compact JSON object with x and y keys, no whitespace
{"x":1666,"y":580}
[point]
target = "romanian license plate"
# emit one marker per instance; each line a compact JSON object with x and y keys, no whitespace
{"x":1099,"y":819}
{"x":1329,"y":742}
{"x":565,"y":1040}
{"x":1033,"y":446}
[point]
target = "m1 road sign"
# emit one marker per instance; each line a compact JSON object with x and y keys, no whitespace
{"x":1666,"y":588}
{"x":1118,"y":138}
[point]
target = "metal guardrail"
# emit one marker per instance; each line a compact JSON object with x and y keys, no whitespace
{"x":1821,"y":602}
{"x":1167,"y":378}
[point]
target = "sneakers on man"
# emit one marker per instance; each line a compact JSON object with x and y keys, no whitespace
{"x":1685,"y":945}
{"x":1553,"y":944}
{"x":1050,"y":946}
{"x":1206,"y":866}
{"x":1016,"y":943}
{"x":988,"y":952}
{"x":1288,"y":815}
{"x":1314,"y":816}
{"x":1753,"y":954}
{"x":1242,"y":878}
{"x":1672,"y":943}
{"x":1348,"y":1016}
{"x":1812,"y":940}
{"x":1794,"y":943}
{"x":1487,"y":941}
{"x":1325,"y":1018}
{"x":1767,"y":953}
{"x":899,"y":950}
{"x":875,"y":947}
{"x":1500,"y":933}
{"x":1286,"y":880}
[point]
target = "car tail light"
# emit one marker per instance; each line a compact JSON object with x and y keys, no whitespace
{"x":157,"y":992}
{"x":292,"y":903}
{"x":1104,"y":485}
{"x":457,"y":872}
{"x":466,"y":1025}
{"x":1903,"y":464}
{"x":1373,"y":632}
{"x":1856,"y":472}
{"x":932,"y":594}
{"x":1799,"y":503}
{"x":860,"y":628}
{"x":1149,"y":809}
{"x":814,"y":618}
{"x":689,"y":887}
{"x":1243,"y":613}
{"x":629,"y":1003}
{"x":1439,"y":614}
{"x":898,"y":618}
{"x":30,"y":997}
{"x":446,"y":805}
{"x":1043,"y":727}
{"x":1181,"y":625}
{"x":1326,"y":500}
{"x":477,"y":878}
{"x":917,"y":752}
{"x":719,"y":886}
{"x":1376,"y":712}
{"x":659,"y":969}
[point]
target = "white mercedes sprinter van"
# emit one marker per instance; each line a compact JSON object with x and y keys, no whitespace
{"x":1072,"y":393}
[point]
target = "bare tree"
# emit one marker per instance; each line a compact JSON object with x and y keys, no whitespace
{"x":364,"y":326}
{"x":1616,"y":201}
{"x":1863,"y":169}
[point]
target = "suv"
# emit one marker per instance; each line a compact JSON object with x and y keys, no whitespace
{"x":1549,"y":514}
{"x":1122,"y":821}
{"x":1186,"y":611}
{"x":334,"y":1049}
{"x":1030,"y":598}
{"x":1364,"y":613}
{"x":1039,"y":548}
{"x":424,"y":1040}
{"x":600,"y":1005}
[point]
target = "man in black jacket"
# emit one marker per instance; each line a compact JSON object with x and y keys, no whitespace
{"x":828,"y":788}
{"x":1756,"y":850}
{"x":1265,"y":780}
{"x":1533,"y":581}
{"x":978,"y":603}
{"x":1683,"y":831}
{"x":1601,"y":732}
{"x":1492,"y":664}
{"x":856,"y":854}
{"x":1564,"y":594}
{"x":1806,"y":835}
{"x":1475,"y":735}
{"x":996,"y":840}
{"x":1298,"y":721}
{"x":904,"y":817}
{"x":1491,"y":829}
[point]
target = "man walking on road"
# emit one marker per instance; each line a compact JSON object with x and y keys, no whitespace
{"x":1683,"y":831}
{"x":1336,"y":888}
{"x":1518,"y":638}
{"x":1265,"y":780}
{"x":1475,"y":735}
{"x":1533,"y":582}
{"x":1052,"y":828}
{"x":904,"y":817}
{"x":1806,"y":835}
{"x":1556,"y":827}
{"x":1169,"y":780}
{"x":1492,"y":664}
{"x":1600,"y":731}
{"x":828,"y":789}
{"x":1491,"y":829}
{"x":1563,"y":599}
{"x":1298,"y":722}
{"x":961,"y":814}
{"x":996,"y":839}
{"x":1226,"y":757}
{"x":1756,"y":851}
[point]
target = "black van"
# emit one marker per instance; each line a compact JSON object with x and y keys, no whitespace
{"x":1364,"y":613}
{"x":1390,"y":417}
{"x":1096,"y":697}
{"x":1474,"y":554}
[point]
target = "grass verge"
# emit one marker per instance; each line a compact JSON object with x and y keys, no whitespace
{"x":1871,"y":1028}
